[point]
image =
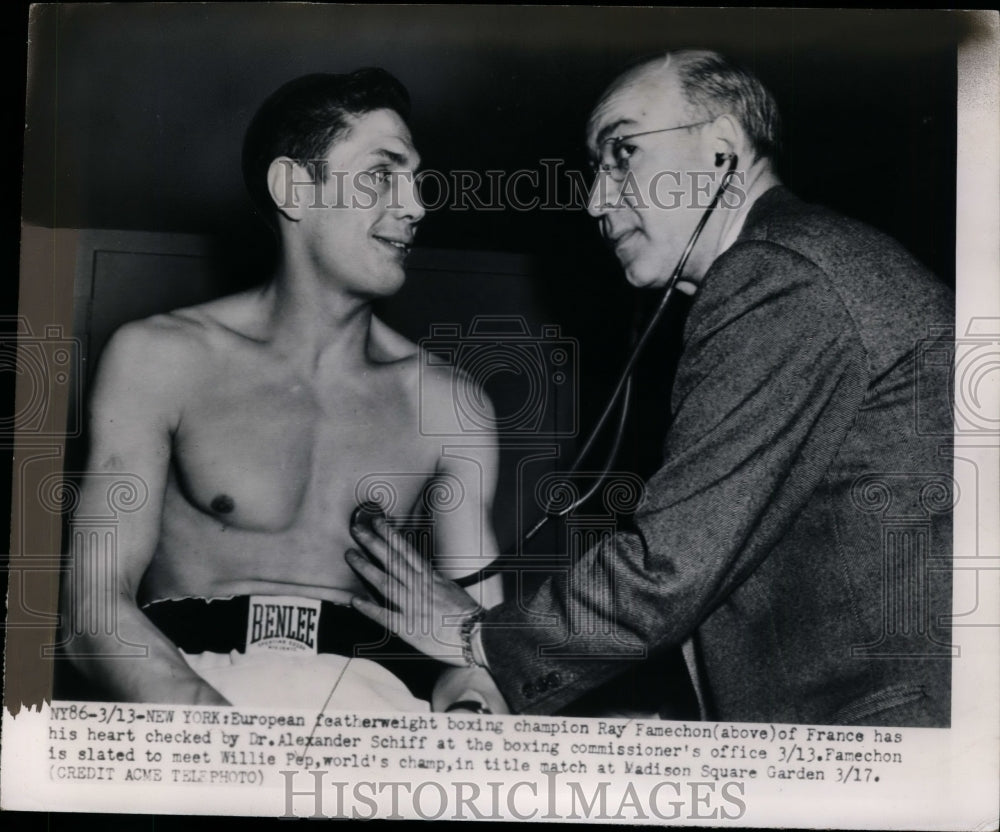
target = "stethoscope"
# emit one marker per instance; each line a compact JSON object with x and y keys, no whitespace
{"x":621,"y":392}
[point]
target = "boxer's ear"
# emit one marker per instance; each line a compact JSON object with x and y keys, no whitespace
{"x":291,"y":187}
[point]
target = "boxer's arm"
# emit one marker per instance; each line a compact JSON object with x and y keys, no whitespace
{"x":461,"y":495}
{"x":464,"y":538}
{"x":133,"y":412}
{"x":466,"y":542}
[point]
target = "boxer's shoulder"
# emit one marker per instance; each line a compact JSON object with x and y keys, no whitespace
{"x":138,"y":392}
{"x":148,"y":353}
{"x":158,"y":364}
{"x":172,"y":335}
{"x":453,"y":401}
{"x":195,"y":339}
{"x":222,"y":324}
{"x":388,"y":346}
{"x":397,"y":359}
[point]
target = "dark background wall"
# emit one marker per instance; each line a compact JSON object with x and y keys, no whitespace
{"x":136,"y":113}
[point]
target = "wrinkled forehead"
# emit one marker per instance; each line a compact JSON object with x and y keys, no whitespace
{"x":639,"y":100}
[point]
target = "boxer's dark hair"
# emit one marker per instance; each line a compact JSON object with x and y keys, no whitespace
{"x":303,"y":118}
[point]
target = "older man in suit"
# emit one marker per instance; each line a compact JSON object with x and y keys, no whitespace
{"x":796,"y":540}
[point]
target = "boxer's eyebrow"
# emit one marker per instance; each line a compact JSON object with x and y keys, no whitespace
{"x":392,"y":156}
{"x":395,"y":158}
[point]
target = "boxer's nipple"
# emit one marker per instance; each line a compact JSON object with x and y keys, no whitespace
{"x":223,"y":504}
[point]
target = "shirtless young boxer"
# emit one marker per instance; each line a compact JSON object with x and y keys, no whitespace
{"x":256,"y":422}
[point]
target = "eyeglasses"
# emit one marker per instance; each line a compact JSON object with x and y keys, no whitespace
{"x":614,"y":156}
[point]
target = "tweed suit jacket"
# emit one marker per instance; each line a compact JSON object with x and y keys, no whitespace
{"x":798,"y":533}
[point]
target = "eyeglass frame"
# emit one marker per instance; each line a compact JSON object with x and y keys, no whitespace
{"x":603,"y":167}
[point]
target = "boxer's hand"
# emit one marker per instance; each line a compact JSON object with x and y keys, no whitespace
{"x":429,"y":609}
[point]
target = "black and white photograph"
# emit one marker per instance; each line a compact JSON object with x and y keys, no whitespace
{"x":419,"y":403}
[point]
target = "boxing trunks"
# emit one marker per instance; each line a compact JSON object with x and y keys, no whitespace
{"x":287,"y":651}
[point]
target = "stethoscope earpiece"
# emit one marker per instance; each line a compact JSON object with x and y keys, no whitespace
{"x":365,"y":513}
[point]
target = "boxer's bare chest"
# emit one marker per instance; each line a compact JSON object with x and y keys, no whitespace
{"x":267,"y":466}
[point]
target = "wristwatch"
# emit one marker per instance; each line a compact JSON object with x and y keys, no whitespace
{"x":468,"y":654}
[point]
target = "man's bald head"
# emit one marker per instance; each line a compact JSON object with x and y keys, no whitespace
{"x":706,"y":85}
